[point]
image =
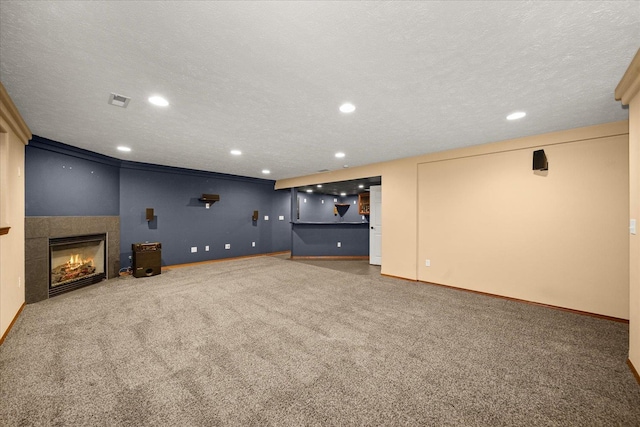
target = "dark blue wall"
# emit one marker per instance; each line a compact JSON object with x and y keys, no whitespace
{"x":322,"y":239}
{"x":181,"y":221}
{"x":314,"y":210}
{"x":64,"y":181}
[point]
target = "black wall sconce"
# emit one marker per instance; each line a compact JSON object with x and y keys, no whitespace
{"x":540,"y":162}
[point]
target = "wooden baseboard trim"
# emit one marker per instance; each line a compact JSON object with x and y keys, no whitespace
{"x":634,"y":371}
{"x":4,"y":230}
{"x":555,"y":307}
{"x":330,"y":258}
{"x":399,"y":278}
{"x":12,"y":322}
{"x":211,"y":261}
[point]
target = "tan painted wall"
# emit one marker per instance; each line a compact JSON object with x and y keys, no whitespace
{"x":634,"y":243}
{"x":400,"y":253}
{"x":489,"y":223}
{"x":13,"y":136}
{"x":628,"y":92}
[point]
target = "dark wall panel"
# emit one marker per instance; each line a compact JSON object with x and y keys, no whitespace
{"x":61,"y":180}
{"x":322,"y":240}
{"x":320,"y":208}
{"x":181,"y":221}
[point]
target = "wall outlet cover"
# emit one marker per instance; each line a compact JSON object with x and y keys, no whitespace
{"x":253,"y":244}
{"x":194,"y":249}
{"x":339,"y":244}
{"x":266,"y":217}
{"x":206,"y":248}
{"x":227,"y":245}
{"x":281,"y":218}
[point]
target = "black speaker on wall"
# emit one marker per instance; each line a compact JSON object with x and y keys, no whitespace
{"x":540,"y":162}
{"x":149,"y":214}
{"x":147,"y":259}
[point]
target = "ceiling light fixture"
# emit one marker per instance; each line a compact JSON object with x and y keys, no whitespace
{"x":124,"y":149}
{"x":340,"y":155}
{"x":347,"y":107}
{"x":266,"y":171}
{"x":159,"y":101}
{"x":309,"y":191}
{"x":361,"y":186}
{"x":517,"y":115}
{"x":343,"y":194}
{"x":319,"y":185}
{"x":236,"y":152}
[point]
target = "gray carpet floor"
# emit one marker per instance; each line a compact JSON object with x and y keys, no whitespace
{"x":269,"y":341}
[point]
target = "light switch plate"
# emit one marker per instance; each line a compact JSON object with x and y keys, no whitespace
{"x":227,"y":245}
{"x":632,"y":227}
{"x":194,"y":249}
{"x":206,"y":248}
{"x":266,"y":217}
{"x":281,"y":218}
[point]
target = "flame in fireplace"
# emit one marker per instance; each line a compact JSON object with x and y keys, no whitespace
{"x":76,"y":261}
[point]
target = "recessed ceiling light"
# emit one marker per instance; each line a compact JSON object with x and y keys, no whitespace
{"x":309,"y":191}
{"x":343,"y":194}
{"x":266,"y":171}
{"x":124,"y":149}
{"x":339,"y":155}
{"x":347,"y":107}
{"x":236,"y":152}
{"x":319,"y":185}
{"x":517,"y":115}
{"x":159,"y":101}
{"x":361,"y":186}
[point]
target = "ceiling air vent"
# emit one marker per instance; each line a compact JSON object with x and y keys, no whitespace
{"x":119,"y":100}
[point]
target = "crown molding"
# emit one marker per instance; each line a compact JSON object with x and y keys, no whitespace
{"x":10,"y":114}
{"x":629,"y":85}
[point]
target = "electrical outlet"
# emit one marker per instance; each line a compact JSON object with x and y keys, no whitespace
{"x":206,"y":248}
{"x":194,"y":249}
{"x":427,"y":263}
{"x":339,"y":244}
{"x":227,"y":245}
{"x":281,"y":218}
{"x":253,"y":244}
{"x":266,"y":217}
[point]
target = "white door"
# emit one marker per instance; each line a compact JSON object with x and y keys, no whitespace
{"x":375,"y":223}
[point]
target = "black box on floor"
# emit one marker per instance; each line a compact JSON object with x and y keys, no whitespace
{"x":146,"y":259}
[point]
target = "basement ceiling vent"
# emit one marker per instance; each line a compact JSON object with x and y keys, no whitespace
{"x":119,"y":100}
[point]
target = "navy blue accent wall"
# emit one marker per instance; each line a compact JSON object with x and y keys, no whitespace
{"x":322,"y":240}
{"x":66,"y":181}
{"x":61,"y":180}
{"x":312,"y":208}
{"x":181,"y":221}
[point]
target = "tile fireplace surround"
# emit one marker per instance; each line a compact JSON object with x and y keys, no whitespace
{"x":38,"y":231}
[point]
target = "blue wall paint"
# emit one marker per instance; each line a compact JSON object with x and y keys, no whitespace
{"x":314,"y":210}
{"x":66,"y":181}
{"x":63,"y":181}
{"x":182,"y":221}
{"x":322,"y":239}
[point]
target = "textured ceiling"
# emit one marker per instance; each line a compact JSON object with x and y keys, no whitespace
{"x":268,"y":77}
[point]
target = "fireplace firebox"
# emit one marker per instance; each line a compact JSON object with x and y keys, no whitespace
{"x":76,"y":262}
